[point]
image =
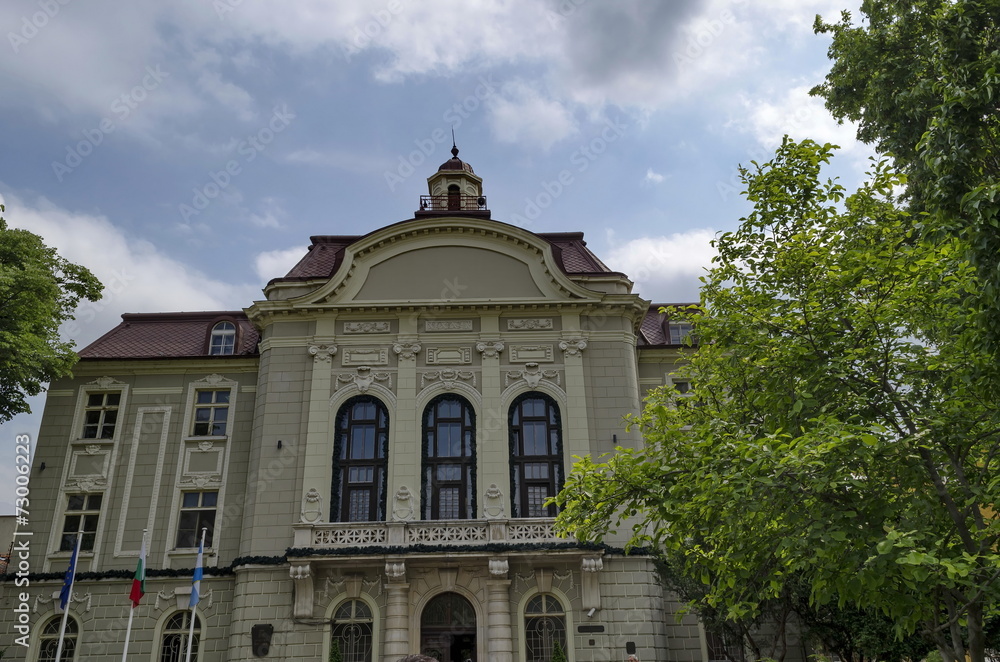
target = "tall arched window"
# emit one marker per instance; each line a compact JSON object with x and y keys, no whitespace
{"x":359,"y":461}
{"x":449,"y":471}
{"x":352,"y":632}
{"x":174,"y":641}
{"x":536,"y":465}
{"x":544,"y":626}
{"x":223,"y":339}
{"x":48,"y":641}
{"x":454,"y":197}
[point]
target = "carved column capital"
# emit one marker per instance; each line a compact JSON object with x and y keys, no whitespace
{"x":573,"y":346}
{"x":322,"y":353}
{"x":490,"y":349}
{"x":302,"y":576}
{"x":406,"y":350}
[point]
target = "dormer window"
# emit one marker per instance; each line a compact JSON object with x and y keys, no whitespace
{"x":679,"y":332}
{"x":223,"y":339}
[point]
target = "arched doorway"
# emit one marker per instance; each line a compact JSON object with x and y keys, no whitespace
{"x":448,"y":629}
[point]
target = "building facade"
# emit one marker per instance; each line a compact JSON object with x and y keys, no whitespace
{"x":369,"y":449}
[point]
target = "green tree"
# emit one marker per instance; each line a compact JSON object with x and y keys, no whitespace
{"x":922,"y":79}
{"x":335,"y":654}
{"x":558,"y":654}
{"x":38,"y":291}
{"x":842,"y":430}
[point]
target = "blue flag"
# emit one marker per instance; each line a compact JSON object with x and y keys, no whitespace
{"x":67,"y":589}
{"x":198,"y":572}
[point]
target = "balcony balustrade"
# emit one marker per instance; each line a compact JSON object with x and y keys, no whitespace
{"x":442,"y":533}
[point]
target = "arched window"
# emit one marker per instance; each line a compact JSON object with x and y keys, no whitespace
{"x":449,"y":474}
{"x":352,"y":632}
{"x":536,"y":464}
{"x":359,"y":461}
{"x":544,"y":626}
{"x":454,"y":197}
{"x":173,"y":643}
{"x":223,"y":339}
{"x":48,"y":641}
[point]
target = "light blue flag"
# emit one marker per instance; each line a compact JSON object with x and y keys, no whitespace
{"x":67,"y":589}
{"x":198,"y":572}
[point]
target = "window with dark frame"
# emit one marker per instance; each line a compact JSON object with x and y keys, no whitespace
{"x":359,"y":462}
{"x":101,"y":415}
{"x":536,"y":455}
{"x":449,"y":479}
{"x":211,"y":413}
{"x":83,"y":511}
{"x":173,"y":642}
{"x":544,"y":625}
{"x":352,"y":631}
{"x":222,"y":341}
{"x":48,"y":641}
{"x":197,"y":513}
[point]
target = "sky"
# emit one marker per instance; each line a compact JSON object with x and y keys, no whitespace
{"x":186,"y":151}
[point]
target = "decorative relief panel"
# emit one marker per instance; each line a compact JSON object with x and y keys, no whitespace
{"x":365,"y":356}
{"x":448,"y":377}
{"x":530,"y":353}
{"x":216,"y":379}
{"x":449,"y":355}
{"x":402,"y":509}
{"x":363,"y":378}
{"x":367,"y":327}
{"x":105,"y":382}
{"x":493,"y":507}
{"x":532,"y":374}
{"x":312,"y":506}
{"x":447,"y":325}
{"x":530,"y":324}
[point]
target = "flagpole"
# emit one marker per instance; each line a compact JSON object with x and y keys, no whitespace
{"x":131,"y":612}
{"x":69,"y":595}
{"x":195,"y":589}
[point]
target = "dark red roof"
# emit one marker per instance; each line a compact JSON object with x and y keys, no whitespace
{"x":655,"y":327}
{"x":326,"y":253}
{"x":170,"y":335}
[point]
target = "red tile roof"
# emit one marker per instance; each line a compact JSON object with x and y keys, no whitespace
{"x":170,"y":335}
{"x":654,"y":330}
{"x":326,"y":253}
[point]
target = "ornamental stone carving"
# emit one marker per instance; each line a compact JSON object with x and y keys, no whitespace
{"x":573,"y":346}
{"x":402,"y":509}
{"x":366,"y":327}
{"x":395,"y":570}
{"x":448,"y":325}
{"x":530,"y":324}
{"x":213,"y":380}
{"x":592,"y":564}
{"x":92,"y":449}
{"x":105,"y":382}
{"x":302,"y":576}
{"x":205,"y":446}
{"x":406,"y":350}
{"x":312,"y":508}
{"x":532,"y":374}
{"x":322,"y":353}
{"x":448,"y":377}
{"x":499,"y":568}
{"x":493,"y":508}
{"x":364,"y":378}
{"x":449,"y":355}
{"x":490,"y":349}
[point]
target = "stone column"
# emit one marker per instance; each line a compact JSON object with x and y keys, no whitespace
{"x":491,"y":438}
{"x":319,"y":443}
{"x":404,"y":428}
{"x":397,"y":613}
{"x":500,"y":642}
{"x":576,"y":433}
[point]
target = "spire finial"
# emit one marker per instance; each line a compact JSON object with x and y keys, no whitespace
{"x":454,"y":147}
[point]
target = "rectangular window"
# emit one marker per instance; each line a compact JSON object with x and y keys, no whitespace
{"x":197,"y":513}
{"x":211,"y":413}
{"x":679,"y":331}
{"x":100,"y":415}
{"x":82,"y":514}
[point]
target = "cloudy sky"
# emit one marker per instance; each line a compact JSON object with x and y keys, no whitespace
{"x":186,"y":151}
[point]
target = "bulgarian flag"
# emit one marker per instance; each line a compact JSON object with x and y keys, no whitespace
{"x":139,"y":581}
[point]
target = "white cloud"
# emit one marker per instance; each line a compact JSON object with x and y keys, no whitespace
{"x":653,"y":177}
{"x":795,"y":113}
{"x":227,"y":94}
{"x":276,"y":263}
{"x":137,"y":276}
{"x":666,"y":269}
{"x":521,"y":113}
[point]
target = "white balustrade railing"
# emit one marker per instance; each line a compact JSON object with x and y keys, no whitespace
{"x":437,"y":533}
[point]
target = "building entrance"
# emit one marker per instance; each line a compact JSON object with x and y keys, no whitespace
{"x":448,"y":629}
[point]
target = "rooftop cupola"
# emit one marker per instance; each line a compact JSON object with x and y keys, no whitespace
{"x":454,"y":190}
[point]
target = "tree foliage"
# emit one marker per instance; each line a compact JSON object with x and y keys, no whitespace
{"x":842,"y":430}
{"x":922,"y":79}
{"x":38,"y":291}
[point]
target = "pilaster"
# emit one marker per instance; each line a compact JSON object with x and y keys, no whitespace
{"x":317,"y":470}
